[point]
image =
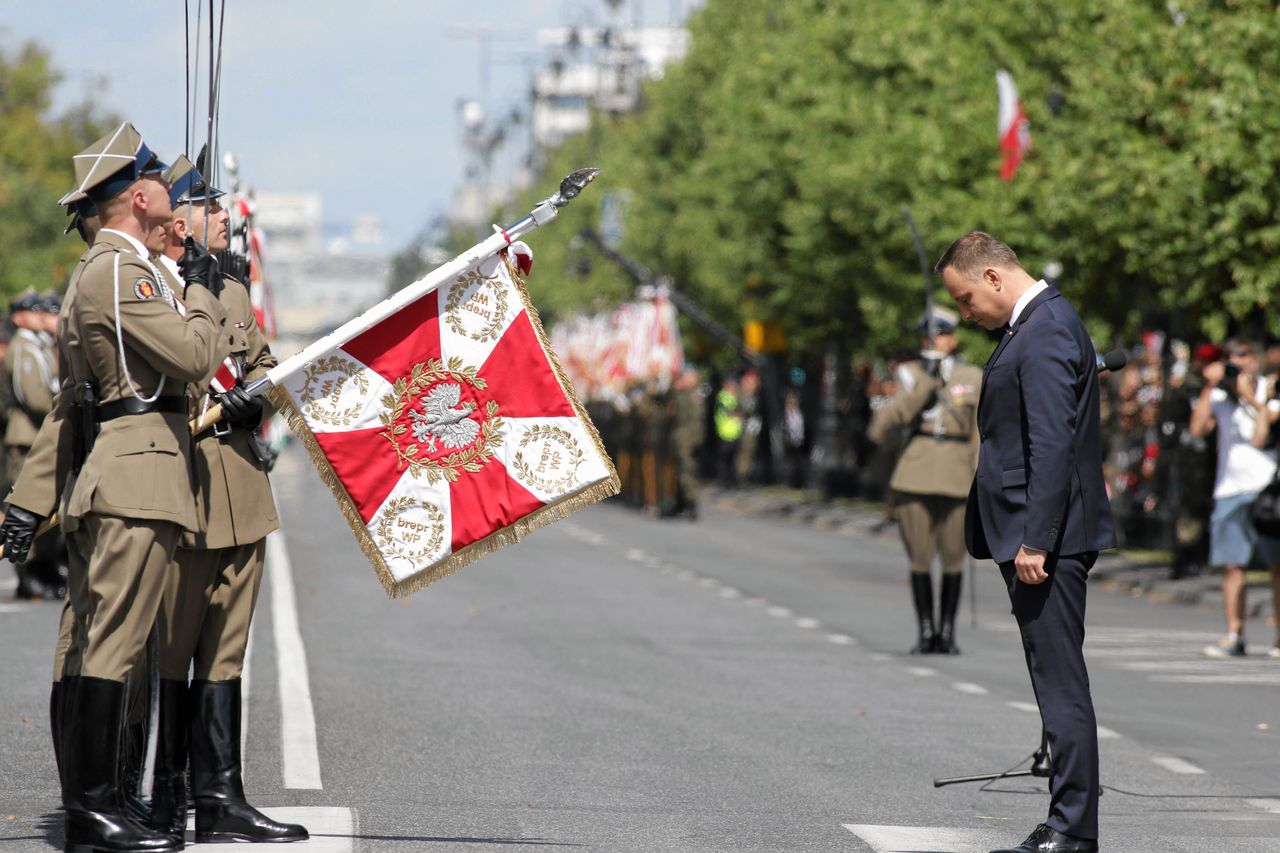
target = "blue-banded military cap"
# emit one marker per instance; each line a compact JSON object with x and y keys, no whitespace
{"x":27,"y":300}
{"x":189,"y":186}
{"x":111,"y":164}
{"x":80,"y":209}
{"x":944,"y":322}
{"x":49,"y":303}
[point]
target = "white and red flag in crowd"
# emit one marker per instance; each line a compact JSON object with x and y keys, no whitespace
{"x":448,"y":429}
{"x":1015,"y":131}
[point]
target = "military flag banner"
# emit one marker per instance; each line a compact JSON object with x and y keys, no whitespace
{"x":448,"y":429}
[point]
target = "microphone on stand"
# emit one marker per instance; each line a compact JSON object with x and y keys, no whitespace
{"x":1113,"y":360}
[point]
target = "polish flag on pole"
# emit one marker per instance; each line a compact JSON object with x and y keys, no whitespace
{"x":1015,"y":132}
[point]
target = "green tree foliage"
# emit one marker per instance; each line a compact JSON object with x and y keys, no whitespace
{"x":35,"y":171}
{"x":767,"y":172}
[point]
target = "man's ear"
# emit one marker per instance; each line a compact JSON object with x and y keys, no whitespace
{"x":991,"y":276}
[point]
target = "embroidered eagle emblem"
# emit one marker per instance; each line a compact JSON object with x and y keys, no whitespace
{"x":443,"y":418}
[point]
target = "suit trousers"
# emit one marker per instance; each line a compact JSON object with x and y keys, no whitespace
{"x":77,"y":593}
{"x":1050,"y":618}
{"x":208,"y":606}
{"x":123,"y":562}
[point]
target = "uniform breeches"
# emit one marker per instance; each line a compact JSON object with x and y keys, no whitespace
{"x":929,"y":524}
{"x":208,"y":607}
{"x":124,"y":562}
{"x":65,"y":658}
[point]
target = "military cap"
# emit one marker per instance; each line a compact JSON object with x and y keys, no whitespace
{"x":188,"y":185}
{"x":49,"y":303}
{"x":78,"y":210}
{"x":108,"y":166}
{"x":27,"y":300}
{"x":944,"y":322}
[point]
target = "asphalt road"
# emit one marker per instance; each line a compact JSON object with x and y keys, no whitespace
{"x":737,"y":684}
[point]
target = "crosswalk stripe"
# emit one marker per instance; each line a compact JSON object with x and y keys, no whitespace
{"x":1176,"y":765}
{"x":935,"y":839}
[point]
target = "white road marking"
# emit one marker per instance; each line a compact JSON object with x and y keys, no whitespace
{"x":1272,"y":806}
{"x":915,"y":839}
{"x":756,"y":602}
{"x":1242,"y":679}
{"x":332,"y":830}
{"x":636,"y":554}
{"x":840,"y":639}
{"x":779,"y":612}
{"x":1105,"y":733}
{"x":1028,"y":707}
{"x":881,"y":656}
{"x":1176,"y":765}
{"x":15,"y":607}
{"x":807,"y":623}
{"x":301,"y":756}
{"x":708,"y":583}
{"x":922,"y":671}
{"x":730,"y":592}
{"x":970,"y":688}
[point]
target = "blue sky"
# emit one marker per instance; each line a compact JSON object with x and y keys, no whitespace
{"x":357,"y":101}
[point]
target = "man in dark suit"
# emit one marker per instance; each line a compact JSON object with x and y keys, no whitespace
{"x":1038,"y":505}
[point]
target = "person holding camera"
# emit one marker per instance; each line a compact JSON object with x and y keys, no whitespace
{"x":1239,"y":402}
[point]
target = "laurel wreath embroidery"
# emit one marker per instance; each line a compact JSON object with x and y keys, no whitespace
{"x":575,"y":457}
{"x":457,"y":298}
{"x":390,"y":545}
{"x":322,"y":404}
{"x":405,"y":391}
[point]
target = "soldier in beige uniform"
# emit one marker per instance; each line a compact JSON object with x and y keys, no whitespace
{"x":130,"y":354}
{"x":937,"y":404}
{"x":212,"y":589}
{"x":31,"y":370}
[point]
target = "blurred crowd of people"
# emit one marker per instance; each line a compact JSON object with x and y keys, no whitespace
{"x":666,"y":440}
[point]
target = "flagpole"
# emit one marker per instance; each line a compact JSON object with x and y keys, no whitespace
{"x":543,"y":213}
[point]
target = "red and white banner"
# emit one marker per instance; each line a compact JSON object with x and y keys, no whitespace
{"x":448,"y":430}
{"x":1013,"y":127}
{"x":636,"y":343}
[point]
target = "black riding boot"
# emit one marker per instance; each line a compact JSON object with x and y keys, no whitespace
{"x":222,"y":814}
{"x":951,"y":583}
{"x":169,"y":791}
{"x":922,"y":595}
{"x":95,"y":820}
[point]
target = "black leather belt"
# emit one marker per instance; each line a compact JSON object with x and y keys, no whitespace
{"x":943,"y":436}
{"x":134,"y":406}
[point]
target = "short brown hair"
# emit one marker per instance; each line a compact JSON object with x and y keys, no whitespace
{"x":975,"y":250}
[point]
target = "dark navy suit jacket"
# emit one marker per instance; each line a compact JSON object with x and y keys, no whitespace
{"x":1039,"y":481}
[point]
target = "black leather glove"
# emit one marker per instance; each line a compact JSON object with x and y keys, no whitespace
{"x":199,"y":267}
{"x":240,"y":408}
{"x":17,"y":532}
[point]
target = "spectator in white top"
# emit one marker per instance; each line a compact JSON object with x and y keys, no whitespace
{"x":1239,"y":402}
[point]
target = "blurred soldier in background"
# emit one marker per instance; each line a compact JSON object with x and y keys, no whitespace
{"x":31,"y":377}
{"x":937,"y":405}
{"x":687,"y":433}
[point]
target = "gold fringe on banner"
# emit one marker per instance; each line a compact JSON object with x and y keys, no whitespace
{"x":511,"y":534}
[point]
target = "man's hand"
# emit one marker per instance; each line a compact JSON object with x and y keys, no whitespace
{"x":16,"y":533}
{"x":199,"y":267}
{"x":240,"y":408}
{"x":1029,"y":565}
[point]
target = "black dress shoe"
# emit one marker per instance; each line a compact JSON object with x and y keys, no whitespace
{"x":1046,"y":839}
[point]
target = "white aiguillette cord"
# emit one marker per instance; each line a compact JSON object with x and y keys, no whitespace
{"x":124,"y":364}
